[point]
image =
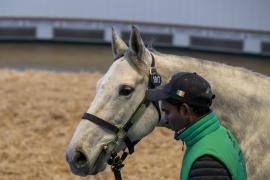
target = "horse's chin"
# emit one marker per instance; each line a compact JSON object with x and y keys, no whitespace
{"x":93,"y":171}
{"x":101,"y":162}
{"x":99,"y":166}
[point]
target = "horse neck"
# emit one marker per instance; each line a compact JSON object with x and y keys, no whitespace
{"x":233,"y":86}
{"x":167,"y":65}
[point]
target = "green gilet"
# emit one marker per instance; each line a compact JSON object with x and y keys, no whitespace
{"x":208,"y":137}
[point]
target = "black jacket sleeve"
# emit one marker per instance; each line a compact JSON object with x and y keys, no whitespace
{"x":208,"y":168}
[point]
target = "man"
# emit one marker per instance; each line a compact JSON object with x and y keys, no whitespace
{"x":211,"y":150}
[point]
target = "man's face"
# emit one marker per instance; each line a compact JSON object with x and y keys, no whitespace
{"x":174,"y":118}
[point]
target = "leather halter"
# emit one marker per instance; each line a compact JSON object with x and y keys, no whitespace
{"x":121,"y":132}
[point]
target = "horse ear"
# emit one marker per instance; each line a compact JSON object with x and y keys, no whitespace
{"x":118,"y":45}
{"x":136,"y":43}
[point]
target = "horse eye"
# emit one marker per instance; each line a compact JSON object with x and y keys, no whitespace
{"x":125,"y":90}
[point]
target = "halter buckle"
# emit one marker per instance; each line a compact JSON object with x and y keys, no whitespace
{"x":152,"y":70}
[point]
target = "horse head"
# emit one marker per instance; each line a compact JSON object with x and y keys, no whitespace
{"x":119,"y":93}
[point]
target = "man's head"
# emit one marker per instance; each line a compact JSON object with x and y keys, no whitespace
{"x":185,"y":99}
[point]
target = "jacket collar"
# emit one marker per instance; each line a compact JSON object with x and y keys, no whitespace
{"x":201,"y":128}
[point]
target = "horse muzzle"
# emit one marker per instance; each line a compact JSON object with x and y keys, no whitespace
{"x":80,"y":164}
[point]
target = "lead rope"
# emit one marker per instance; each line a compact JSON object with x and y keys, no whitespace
{"x":116,"y":163}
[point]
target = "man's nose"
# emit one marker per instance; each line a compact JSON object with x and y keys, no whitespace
{"x":163,"y":121}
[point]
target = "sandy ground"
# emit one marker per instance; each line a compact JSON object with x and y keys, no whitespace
{"x":38,"y":113}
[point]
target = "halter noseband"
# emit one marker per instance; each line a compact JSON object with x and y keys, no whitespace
{"x":121,"y":132}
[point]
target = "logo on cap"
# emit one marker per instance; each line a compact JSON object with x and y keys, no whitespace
{"x":180,"y":93}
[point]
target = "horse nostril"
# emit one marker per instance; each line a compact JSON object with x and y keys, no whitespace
{"x":79,"y":159}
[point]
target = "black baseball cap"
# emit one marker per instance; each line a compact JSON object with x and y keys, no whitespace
{"x":186,"y":87}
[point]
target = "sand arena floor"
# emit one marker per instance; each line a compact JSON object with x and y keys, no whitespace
{"x":39,"y":111}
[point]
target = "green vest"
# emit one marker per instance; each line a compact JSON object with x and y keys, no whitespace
{"x":208,"y":137}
